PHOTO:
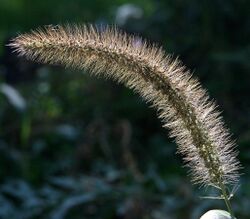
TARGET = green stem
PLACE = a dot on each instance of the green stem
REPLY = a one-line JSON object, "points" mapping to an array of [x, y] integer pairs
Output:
{"points": [[226, 199]]}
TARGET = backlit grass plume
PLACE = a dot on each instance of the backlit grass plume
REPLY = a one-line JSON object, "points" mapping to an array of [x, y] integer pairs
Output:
{"points": [[182, 104]]}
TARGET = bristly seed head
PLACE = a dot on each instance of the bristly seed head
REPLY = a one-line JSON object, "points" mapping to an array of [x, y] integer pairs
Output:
{"points": [[183, 105]]}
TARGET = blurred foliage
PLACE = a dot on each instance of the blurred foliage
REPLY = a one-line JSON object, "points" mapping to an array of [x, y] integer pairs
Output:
{"points": [[73, 146]]}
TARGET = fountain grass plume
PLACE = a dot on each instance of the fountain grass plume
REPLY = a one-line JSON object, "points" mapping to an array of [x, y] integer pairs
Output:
{"points": [[182, 104]]}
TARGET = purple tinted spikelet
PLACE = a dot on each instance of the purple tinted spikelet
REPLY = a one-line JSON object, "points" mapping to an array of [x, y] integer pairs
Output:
{"points": [[182, 104]]}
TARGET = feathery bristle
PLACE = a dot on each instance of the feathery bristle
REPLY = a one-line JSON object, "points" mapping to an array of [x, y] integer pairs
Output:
{"points": [[183, 105]]}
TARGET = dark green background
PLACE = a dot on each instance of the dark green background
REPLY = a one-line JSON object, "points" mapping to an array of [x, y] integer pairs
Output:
{"points": [[87, 148]]}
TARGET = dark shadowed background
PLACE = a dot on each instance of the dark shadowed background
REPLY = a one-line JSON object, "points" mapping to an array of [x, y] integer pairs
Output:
{"points": [[73, 146]]}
